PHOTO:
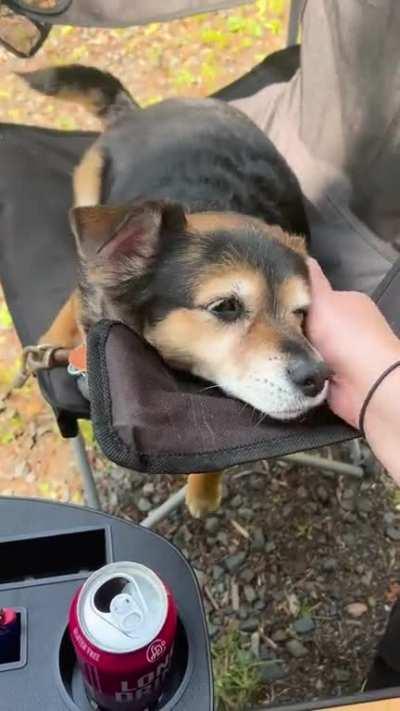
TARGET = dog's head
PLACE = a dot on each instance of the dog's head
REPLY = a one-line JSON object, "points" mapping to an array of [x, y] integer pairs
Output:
{"points": [[221, 295]]}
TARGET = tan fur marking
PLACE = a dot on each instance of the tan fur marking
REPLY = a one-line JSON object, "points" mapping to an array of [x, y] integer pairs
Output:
{"points": [[295, 242], [228, 279], [203, 494], [178, 328], [87, 178], [65, 331], [212, 221], [92, 99], [260, 336], [294, 293]]}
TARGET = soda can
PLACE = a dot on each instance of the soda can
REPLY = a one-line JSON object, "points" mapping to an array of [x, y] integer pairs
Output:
{"points": [[9, 636], [122, 624]]}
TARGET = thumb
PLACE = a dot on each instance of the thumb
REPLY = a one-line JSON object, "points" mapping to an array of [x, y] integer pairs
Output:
{"points": [[319, 282]]}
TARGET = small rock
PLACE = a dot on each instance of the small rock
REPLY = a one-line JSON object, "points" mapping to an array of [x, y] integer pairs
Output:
{"points": [[347, 504], [247, 575], [246, 513], [250, 594], [243, 613], [260, 605], [364, 505], [237, 501], [393, 532], [144, 505], [217, 572], [258, 540], [304, 625], [201, 577], [233, 562], [367, 578], [257, 483], [157, 500], [302, 492], [287, 510], [296, 648], [342, 675], [148, 488], [388, 518], [322, 494], [349, 538], [212, 629], [328, 565], [255, 645], [279, 636], [269, 547], [356, 609], [211, 524], [274, 671], [266, 653], [250, 625], [222, 538]]}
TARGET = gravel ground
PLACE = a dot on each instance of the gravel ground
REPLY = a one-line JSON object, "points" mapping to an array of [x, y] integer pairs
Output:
{"points": [[304, 565]]}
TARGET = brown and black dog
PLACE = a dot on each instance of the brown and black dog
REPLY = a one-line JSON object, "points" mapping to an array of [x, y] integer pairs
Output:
{"points": [[191, 230]]}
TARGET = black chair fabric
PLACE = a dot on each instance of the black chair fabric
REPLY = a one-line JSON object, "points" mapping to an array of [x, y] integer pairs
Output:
{"points": [[37, 252]]}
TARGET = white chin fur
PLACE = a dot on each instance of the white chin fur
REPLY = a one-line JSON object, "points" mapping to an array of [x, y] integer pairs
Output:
{"points": [[277, 398]]}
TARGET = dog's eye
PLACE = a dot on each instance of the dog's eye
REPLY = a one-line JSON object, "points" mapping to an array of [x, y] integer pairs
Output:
{"points": [[229, 309]]}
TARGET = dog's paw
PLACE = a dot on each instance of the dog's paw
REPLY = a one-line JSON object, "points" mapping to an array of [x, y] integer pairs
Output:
{"points": [[204, 494]]}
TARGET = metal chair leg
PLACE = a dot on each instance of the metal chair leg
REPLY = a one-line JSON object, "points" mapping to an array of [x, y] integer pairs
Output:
{"points": [[162, 511], [82, 460], [312, 460]]}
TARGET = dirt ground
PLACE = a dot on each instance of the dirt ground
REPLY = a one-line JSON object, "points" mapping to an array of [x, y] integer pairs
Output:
{"points": [[299, 569]]}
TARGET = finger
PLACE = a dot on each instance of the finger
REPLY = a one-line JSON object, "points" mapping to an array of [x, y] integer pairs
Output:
{"points": [[319, 282]]}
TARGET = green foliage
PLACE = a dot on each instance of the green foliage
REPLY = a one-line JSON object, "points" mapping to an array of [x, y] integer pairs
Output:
{"points": [[184, 77], [86, 429], [307, 608], [304, 530], [214, 38], [275, 26], [65, 123], [5, 317], [10, 428], [238, 683]]}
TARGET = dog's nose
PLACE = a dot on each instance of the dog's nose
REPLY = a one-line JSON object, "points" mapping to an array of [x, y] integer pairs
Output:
{"points": [[308, 375]]}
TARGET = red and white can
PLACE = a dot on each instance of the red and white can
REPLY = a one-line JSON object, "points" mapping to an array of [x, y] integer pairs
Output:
{"points": [[122, 624]]}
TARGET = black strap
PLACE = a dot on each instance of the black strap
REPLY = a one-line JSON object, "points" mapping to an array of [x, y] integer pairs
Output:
{"points": [[371, 392]]}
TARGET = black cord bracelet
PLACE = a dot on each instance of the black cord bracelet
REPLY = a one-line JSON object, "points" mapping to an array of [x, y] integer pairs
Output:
{"points": [[370, 394]]}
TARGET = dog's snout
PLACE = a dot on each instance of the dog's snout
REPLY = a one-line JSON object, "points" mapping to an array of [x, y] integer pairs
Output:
{"points": [[308, 375]]}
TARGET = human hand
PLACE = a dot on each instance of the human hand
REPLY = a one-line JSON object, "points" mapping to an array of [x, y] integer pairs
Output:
{"points": [[354, 339]]}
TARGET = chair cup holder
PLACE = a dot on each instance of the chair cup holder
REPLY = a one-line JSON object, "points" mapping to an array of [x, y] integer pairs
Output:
{"points": [[73, 688]]}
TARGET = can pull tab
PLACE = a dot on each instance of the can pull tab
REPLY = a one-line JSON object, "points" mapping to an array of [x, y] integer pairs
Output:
{"points": [[126, 613]]}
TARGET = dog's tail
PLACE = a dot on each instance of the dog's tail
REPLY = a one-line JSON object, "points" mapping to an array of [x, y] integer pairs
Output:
{"points": [[99, 92]]}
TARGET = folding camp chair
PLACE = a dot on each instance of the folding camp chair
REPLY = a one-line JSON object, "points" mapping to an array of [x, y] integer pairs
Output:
{"points": [[36, 240]]}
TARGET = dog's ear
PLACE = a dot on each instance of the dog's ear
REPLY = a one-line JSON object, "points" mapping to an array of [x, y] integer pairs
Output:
{"points": [[133, 230]]}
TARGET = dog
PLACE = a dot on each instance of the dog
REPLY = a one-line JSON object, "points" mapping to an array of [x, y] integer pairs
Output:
{"points": [[190, 229]]}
